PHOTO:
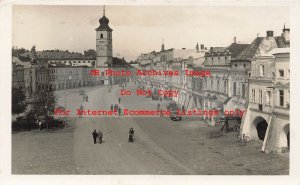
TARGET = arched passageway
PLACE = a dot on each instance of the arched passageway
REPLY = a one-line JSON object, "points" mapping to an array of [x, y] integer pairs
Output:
{"points": [[259, 128]]}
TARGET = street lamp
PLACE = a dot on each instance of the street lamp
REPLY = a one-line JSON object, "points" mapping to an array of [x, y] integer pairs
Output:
{"points": [[70, 77]]}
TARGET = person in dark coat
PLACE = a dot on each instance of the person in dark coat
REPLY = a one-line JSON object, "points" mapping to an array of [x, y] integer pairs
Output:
{"points": [[95, 135]]}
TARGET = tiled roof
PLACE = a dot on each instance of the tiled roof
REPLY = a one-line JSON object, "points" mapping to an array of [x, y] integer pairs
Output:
{"points": [[249, 52], [120, 63], [261, 46], [52, 54], [236, 49]]}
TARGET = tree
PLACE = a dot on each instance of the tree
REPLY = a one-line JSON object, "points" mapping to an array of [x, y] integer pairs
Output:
{"points": [[44, 103], [18, 101]]}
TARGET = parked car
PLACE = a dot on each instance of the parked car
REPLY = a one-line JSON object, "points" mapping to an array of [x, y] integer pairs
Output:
{"points": [[174, 115]]}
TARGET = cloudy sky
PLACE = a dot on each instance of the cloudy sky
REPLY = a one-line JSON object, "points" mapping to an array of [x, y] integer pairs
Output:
{"points": [[140, 29]]}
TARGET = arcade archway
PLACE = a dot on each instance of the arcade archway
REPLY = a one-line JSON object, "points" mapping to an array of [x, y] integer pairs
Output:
{"points": [[284, 141], [259, 128]]}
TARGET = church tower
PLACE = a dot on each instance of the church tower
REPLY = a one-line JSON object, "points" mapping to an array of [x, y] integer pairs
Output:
{"points": [[104, 43]]}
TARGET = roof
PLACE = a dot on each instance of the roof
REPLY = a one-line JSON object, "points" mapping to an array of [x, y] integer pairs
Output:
{"points": [[120, 63], [261, 46], [103, 24], [17, 61], [186, 53], [217, 49], [56, 54], [236, 49], [249, 52], [58, 65]]}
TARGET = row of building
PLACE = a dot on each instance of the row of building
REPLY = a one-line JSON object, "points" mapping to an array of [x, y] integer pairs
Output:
{"points": [[247, 77], [58, 70]]}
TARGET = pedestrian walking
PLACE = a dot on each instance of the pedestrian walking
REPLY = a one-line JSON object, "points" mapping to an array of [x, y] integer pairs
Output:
{"points": [[95, 135], [111, 107], [158, 106], [161, 113], [119, 100], [81, 110], [120, 111], [100, 136]]}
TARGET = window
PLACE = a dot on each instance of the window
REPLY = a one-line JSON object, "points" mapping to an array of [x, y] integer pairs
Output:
{"points": [[243, 90], [234, 88], [244, 65], [281, 97], [260, 96], [261, 70], [281, 73], [101, 36], [268, 96], [253, 95], [235, 65]]}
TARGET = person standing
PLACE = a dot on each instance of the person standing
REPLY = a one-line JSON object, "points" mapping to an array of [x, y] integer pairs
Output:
{"points": [[120, 111], [158, 106], [119, 100], [112, 107], [40, 124], [95, 135], [100, 136]]}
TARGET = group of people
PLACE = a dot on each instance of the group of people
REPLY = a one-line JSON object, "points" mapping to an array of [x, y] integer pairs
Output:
{"points": [[96, 135], [99, 135], [116, 108]]}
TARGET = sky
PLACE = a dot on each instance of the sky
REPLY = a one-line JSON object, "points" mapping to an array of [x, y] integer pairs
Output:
{"points": [[141, 29]]}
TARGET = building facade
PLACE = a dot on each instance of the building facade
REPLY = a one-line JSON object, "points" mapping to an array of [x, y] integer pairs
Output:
{"points": [[268, 110]]}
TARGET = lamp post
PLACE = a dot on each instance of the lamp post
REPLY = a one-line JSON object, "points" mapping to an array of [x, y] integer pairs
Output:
{"points": [[66, 99]]}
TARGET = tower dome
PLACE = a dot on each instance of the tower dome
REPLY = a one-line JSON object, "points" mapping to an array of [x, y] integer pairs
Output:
{"points": [[104, 23], [103, 20]]}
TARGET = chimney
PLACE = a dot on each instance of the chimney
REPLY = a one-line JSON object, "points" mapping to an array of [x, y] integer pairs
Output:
{"points": [[286, 34], [202, 46], [197, 48], [162, 46], [270, 33]]}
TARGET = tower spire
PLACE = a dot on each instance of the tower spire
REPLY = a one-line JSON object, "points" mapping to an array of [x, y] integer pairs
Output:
{"points": [[103, 10]]}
